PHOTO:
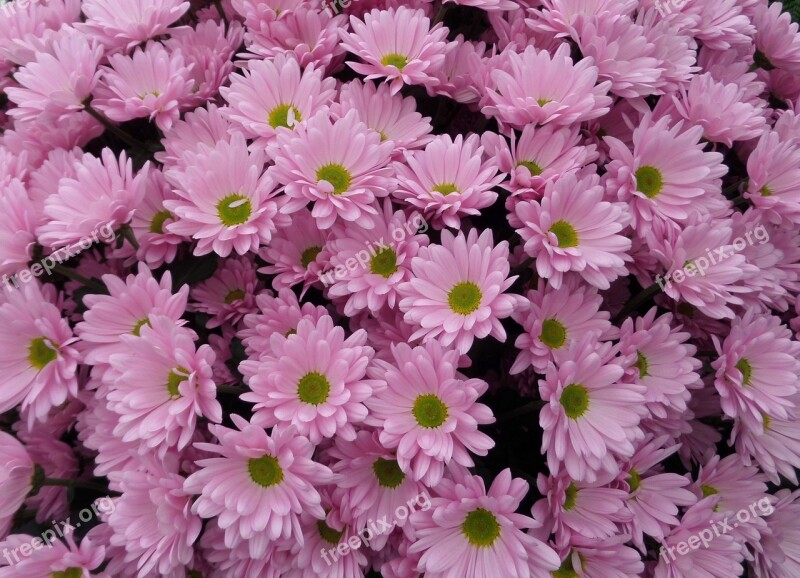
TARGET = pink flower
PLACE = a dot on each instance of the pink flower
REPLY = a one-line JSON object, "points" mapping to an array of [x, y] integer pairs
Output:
{"points": [[428, 411], [457, 292], [121, 25], [773, 170], [602, 559], [461, 77], [399, 45], [60, 558], [201, 127], [17, 230], [229, 294], [57, 460], [777, 39], [15, 479]]}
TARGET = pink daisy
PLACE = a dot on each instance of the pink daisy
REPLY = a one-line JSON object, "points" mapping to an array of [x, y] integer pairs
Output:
{"points": [[448, 180], [259, 485], [17, 230], [428, 411], [317, 556], [15, 480], [559, 92], [340, 166], [458, 290], [226, 201], [229, 294], [39, 361], [103, 193], [200, 127], [121, 25], [574, 229], [609, 558], [237, 562], [777, 40], [779, 557], [475, 533], [773, 170], [61, 559], [462, 74], [397, 44], [313, 379]]}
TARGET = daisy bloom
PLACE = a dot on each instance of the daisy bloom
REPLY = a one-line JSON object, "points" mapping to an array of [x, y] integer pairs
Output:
{"points": [[574, 229], [457, 292], [229, 294], [588, 558], [428, 411], [18, 229], [15, 480], [103, 193], [200, 127], [471, 532], [226, 201], [259, 485], [121, 25], [559, 92], [591, 419], [779, 557], [397, 44], [777, 40], [39, 361], [313, 379], [448, 180], [461, 77], [340, 166], [773, 170], [317, 556], [160, 384]]}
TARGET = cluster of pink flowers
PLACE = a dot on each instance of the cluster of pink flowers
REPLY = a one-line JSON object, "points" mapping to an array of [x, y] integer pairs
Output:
{"points": [[489, 252]]}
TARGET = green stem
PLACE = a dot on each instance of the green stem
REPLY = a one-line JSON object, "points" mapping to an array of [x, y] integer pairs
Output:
{"points": [[121, 134], [440, 15], [230, 389], [636, 302], [75, 484], [127, 234], [221, 10], [75, 276]]}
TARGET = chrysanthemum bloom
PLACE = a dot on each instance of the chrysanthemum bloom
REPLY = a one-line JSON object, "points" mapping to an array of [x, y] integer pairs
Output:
{"points": [[569, 509], [25, 25], [274, 93], [394, 116], [553, 318], [103, 193], [561, 16], [655, 495], [58, 81], [313, 379], [719, 558], [152, 83], [297, 254], [758, 369], [229, 294], [318, 555], [721, 110], [160, 385], [39, 361], [589, 558], [667, 175], [774, 170], [227, 204], [340, 166], [776, 38], [279, 314], [57, 460], [383, 255], [397, 44], [736, 485], [259, 485], [540, 155], [591, 419], [658, 357], [17, 230], [125, 310], [472, 532], [61, 559], [574, 229], [428, 411], [458, 290], [15, 479], [778, 556], [152, 520], [536, 87], [200, 127], [237, 562], [121, 25], [448, 180], [372, 484]]}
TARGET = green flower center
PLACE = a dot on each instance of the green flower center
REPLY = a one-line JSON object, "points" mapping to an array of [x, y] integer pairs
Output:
{"points": [[464, 298], [565, 233], [158, 220], [747, 371], [649, 181], [313, 388], [575, 400], [384, 263], [429, 411], [235, 295], [328, 534], [481, 528], [336, 175], [767, 420], [570, 497], [554, 334], [280, 116], [174, 381], [642, 365], [265, 471], [68, 573], [765, 191], [399, 61], [40, 353], [234, 209], [532, 167], [139, 324], [446, 188], [388, 473], [708, 491], [565, 570], [309, 256], [543, 101], [634, 480]]}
